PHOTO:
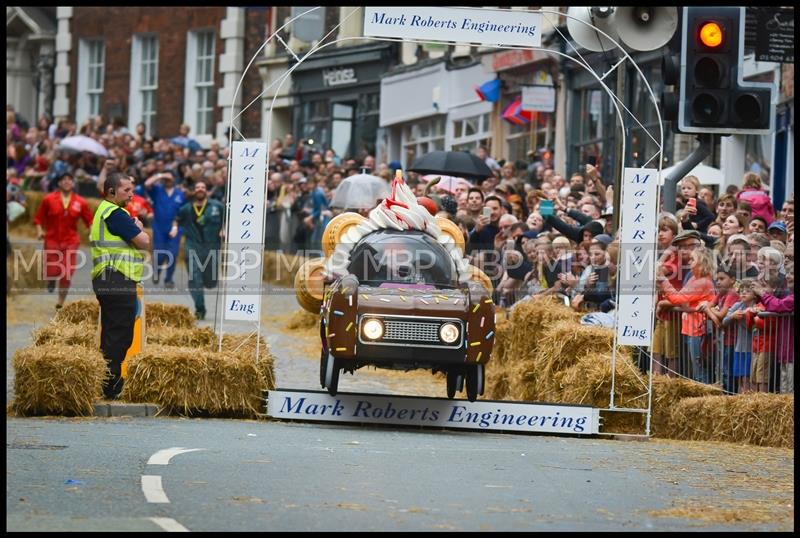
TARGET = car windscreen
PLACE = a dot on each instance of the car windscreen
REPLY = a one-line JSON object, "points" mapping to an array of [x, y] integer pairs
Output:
{"points": [[402, 257]]}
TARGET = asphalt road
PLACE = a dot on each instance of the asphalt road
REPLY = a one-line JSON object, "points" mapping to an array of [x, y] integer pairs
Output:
{"points": [[97, 474]]}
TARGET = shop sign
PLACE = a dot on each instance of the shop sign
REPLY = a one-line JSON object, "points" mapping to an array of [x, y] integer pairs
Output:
{"points": [[459, 25], [339, 76]]}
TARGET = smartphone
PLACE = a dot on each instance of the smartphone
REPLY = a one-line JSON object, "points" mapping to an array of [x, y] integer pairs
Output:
{"points": [[691, 202], [602, 275], [486, 212], [565, 265], [592, 159], [546, 208]]}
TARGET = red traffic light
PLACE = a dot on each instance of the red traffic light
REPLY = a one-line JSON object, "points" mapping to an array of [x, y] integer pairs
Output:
{"points": [[711, 34]]}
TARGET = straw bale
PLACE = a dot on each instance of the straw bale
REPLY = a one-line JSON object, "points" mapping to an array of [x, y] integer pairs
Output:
{"points": [[24, 270], [762, 419], [302, 319], [58, 379], [244, 346], [280, 268], [186, 381], [497, 384], [84, 310], [564, 343], [529, 318], [67, 334], [667, 392], [198, 337], [168, 315]]}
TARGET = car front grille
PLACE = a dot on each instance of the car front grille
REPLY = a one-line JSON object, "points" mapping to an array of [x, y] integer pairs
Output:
{"points": [[411, 331]]}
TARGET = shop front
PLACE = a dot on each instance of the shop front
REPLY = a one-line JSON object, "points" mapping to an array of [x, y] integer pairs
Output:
{"points": [[337, 98]]}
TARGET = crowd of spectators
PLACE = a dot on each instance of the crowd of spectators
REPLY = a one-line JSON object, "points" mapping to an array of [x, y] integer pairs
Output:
{"points": [[722, 258]]}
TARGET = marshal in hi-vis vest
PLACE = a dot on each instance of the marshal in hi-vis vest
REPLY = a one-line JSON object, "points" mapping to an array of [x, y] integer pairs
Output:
{"points": [[109, 250]]}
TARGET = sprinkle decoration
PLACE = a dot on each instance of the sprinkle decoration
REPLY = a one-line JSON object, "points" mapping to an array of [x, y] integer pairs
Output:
{"points": [[488, 336], [348, 326], [338, 312], [341, 349], [473, 344], [424, 301], [402, 298], [478, 358], [365, 296], [477, 306], [482, 320], [385, 300]]}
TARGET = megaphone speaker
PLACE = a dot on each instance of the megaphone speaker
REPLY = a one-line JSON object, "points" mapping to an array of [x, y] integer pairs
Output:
{"points": [[582, 24], [646, 28]]}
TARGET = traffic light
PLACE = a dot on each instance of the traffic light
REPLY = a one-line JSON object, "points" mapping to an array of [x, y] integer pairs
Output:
{"points": [[713, 95]]}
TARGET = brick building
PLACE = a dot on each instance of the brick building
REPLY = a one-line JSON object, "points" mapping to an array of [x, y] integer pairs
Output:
{"points": [[162, 66]]}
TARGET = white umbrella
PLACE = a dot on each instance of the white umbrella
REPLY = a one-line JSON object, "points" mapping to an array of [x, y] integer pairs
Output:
{"points": [[708, 175], [84, 143], [361, 191]]}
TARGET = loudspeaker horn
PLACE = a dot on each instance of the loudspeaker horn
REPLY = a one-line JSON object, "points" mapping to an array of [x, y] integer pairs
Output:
{"points": [[580, 21], [646, 28]]}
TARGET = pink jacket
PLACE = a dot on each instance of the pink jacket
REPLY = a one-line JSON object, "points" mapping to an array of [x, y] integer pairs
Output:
{"points": [[759, 201]]}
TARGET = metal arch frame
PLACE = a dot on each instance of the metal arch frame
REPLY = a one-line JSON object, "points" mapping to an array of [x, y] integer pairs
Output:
{"points": [[616, 101]]}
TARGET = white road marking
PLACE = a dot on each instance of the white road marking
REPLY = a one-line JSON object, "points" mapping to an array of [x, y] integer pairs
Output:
{"points": [[168, 524], [153, 492], [162, 457]]}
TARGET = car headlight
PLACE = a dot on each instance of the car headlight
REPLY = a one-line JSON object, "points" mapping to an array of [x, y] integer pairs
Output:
{"points": [[373, 329], [449, 332]]}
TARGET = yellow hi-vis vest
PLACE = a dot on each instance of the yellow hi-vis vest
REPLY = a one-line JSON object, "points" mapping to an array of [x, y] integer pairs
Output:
{"points": [[109, 250]]}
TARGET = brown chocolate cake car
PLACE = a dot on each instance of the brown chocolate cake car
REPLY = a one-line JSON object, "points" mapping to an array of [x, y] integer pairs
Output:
{"points": [[398, 294]]}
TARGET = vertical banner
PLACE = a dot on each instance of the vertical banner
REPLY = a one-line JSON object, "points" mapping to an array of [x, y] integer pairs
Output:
{"points": [[245, 233], [138, 330], [637, 256]]}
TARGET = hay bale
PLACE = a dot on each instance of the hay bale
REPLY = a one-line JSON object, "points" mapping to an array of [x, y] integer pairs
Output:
{"points": [[85, 310], [24, 269], [302, 319], [280, 268], [761, 419], [67, 334], [58, 380], [198, 337], [186, 381], [497, 384], [244, 346], [168, 315], [563, 344], [667, 392]]}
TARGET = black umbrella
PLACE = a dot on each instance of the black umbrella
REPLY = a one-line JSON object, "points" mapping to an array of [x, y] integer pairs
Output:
{"points": [[452, 163]]}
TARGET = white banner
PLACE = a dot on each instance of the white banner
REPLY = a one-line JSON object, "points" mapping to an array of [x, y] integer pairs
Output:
{"points": [[637, 256], [463, 25], [245, 232], [436, 412], [539, 98]]}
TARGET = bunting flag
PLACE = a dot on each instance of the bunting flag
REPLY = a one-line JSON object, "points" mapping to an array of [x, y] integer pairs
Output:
{"points": [[489, 91], [514, 113]]}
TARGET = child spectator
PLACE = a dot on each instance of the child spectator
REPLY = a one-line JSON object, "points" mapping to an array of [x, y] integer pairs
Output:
{"points": [[753, 193], [785, 331], [666, 341], [698, 289], [716, 312], [764, 330], [696, 214], [734, 321], [594, 287]]}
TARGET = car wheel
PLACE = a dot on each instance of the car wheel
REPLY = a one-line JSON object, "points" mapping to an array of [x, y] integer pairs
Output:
{"points": [[472, 382], [454, 379], [332, 375]]}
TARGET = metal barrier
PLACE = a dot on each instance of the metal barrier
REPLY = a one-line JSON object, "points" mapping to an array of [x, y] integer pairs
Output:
{"points": [[745, 353]]}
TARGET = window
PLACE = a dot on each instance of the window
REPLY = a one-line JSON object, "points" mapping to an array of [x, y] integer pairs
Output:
{"points": [[471, 132], [422, 137], [144, 82], [204, 82], [316, 122], [91, 75], [200, 95]]}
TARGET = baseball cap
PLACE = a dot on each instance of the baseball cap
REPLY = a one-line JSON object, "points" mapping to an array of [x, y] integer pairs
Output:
{"points": [[530, 234], [603, 238], [738, 237], [686, 234], [302, 180], [777, 225]]}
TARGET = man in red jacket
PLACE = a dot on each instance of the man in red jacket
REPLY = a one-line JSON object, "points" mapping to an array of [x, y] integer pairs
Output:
{"points": [[57, 223]]}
